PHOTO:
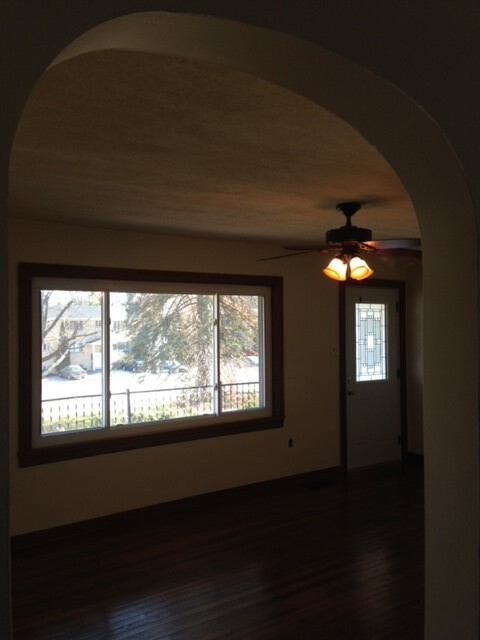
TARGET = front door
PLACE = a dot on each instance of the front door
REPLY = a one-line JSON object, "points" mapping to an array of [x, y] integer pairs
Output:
{"points": [[372, 372]]}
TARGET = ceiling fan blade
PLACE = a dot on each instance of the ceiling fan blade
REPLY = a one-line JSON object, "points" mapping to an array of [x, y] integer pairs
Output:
{"points": [[412, 244], [287, 255], [412, 253], [320, 248], [393, 246]]}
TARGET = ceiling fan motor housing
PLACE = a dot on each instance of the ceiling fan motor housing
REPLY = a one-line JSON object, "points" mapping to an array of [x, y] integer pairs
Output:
{"points": [[348, 233]]}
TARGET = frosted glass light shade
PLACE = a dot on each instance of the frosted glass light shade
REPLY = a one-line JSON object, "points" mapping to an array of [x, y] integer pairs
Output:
{"points": [[336, 269], [359, 269]]}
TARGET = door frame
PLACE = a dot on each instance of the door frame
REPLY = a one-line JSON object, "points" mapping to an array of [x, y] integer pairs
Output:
{"points": [[402, 359]]}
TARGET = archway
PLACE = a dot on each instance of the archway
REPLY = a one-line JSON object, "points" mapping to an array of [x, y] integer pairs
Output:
{"points": [[426, 164]]}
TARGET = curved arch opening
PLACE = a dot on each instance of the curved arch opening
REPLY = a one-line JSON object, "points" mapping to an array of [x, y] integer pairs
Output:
{"points": [[431, 174]]}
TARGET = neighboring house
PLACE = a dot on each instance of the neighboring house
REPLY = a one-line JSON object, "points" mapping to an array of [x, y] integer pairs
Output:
{"points": [[80, 329]]}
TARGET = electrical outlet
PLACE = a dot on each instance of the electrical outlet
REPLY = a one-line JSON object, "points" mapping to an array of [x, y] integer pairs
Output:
{"points": [[290, 443]]}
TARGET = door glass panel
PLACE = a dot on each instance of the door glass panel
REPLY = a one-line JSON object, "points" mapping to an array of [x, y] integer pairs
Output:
{"points": [[371, 341]]}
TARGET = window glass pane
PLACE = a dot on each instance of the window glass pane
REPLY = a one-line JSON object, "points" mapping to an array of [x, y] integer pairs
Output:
{"points": [[241, 364], [371, 341], [161, 356], [71, 360]]}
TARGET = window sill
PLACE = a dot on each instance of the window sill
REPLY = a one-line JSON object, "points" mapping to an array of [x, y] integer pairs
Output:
{"points": [[28, 457]]}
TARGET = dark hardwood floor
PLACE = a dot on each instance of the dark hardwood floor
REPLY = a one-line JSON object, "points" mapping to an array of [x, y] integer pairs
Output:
{"points": [[303, 559]]}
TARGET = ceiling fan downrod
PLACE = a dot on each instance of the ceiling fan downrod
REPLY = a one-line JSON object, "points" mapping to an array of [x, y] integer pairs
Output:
{"points": [[348, 233], [348, 209]]}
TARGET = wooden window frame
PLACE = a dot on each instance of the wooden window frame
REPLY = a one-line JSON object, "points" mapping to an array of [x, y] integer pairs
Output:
{"points": [[29, 454]]}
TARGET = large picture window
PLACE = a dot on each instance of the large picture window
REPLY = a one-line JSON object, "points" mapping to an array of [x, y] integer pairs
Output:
{"points": [[118, 359]]}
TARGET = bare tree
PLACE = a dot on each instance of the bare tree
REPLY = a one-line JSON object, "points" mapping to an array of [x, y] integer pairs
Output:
{"points": [[180, 327], [58, 332]]}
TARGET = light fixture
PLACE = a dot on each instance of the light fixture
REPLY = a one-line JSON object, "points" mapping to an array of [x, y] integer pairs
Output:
{"points": [[343, 267], [336, 269], [359, 269]]}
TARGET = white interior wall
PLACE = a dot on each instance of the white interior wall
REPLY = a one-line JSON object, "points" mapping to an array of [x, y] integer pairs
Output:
{"points": [[49, 495]]}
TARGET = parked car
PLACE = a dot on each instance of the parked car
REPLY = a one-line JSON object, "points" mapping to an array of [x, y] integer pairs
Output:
{"points": [[172, 366], [128, 364], [133, 365], [72, 372]]}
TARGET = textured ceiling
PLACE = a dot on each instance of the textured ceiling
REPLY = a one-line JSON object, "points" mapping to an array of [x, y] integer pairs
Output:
{"points": [[155, 143]]}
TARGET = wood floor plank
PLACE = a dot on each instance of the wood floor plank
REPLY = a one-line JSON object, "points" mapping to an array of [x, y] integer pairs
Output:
{"points": [[339, 560]]}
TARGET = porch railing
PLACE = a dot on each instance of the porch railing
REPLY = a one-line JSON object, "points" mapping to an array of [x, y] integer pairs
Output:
{"points": [[78, 413]]}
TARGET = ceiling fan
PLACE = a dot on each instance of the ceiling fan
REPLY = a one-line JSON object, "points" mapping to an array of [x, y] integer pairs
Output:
{"points": [[349, 242]]}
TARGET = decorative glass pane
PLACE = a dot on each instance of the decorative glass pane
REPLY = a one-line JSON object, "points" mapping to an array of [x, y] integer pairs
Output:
{"points": [[371, 341]]}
